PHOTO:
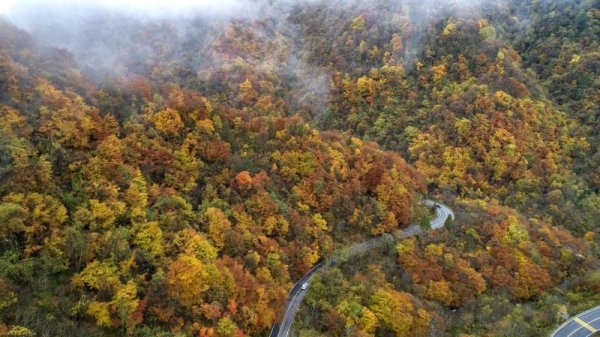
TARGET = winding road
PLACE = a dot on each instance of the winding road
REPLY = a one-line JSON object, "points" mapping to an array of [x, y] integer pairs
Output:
{"points": [[584, 324], [297, 293]]}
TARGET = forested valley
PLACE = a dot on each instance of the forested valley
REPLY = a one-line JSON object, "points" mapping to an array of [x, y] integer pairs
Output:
{"points": [[174, 176]]}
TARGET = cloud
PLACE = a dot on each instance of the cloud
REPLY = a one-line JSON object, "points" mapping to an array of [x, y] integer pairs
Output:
{"points": [[6, 6], [98, 32], [152, 8]]}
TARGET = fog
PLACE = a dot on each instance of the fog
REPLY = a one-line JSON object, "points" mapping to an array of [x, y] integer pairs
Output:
{"points": [[20, 9], [123, 37], [97, 31]]}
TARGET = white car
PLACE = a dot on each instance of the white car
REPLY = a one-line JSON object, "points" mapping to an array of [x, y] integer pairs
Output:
{"points": [[304, 286]]}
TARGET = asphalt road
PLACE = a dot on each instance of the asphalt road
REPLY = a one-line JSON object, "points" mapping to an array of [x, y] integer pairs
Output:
{"points": [[585, 324], [297, 293]]}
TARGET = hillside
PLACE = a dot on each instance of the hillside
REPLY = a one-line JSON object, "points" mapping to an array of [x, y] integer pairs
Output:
{"points": [[174, 176]]}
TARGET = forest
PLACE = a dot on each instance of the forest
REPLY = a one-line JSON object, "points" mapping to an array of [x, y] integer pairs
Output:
{"points": [[175, 176]]}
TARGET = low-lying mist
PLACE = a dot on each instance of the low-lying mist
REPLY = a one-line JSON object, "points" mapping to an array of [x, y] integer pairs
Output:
{"points": [[152, 38], [97, 32]]}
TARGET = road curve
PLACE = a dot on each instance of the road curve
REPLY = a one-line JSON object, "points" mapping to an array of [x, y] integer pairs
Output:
{"points": [[297, 293], [584, 324]]}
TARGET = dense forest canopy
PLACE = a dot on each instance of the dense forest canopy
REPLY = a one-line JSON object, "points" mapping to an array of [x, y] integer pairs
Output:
{"points": [[173, 170]]}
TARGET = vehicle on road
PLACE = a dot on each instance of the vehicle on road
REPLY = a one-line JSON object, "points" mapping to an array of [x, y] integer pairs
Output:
{"points": [[296, 295]]}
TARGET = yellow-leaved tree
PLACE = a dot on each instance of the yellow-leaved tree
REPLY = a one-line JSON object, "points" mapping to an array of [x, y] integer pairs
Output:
{"points": [[187, 280]]}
